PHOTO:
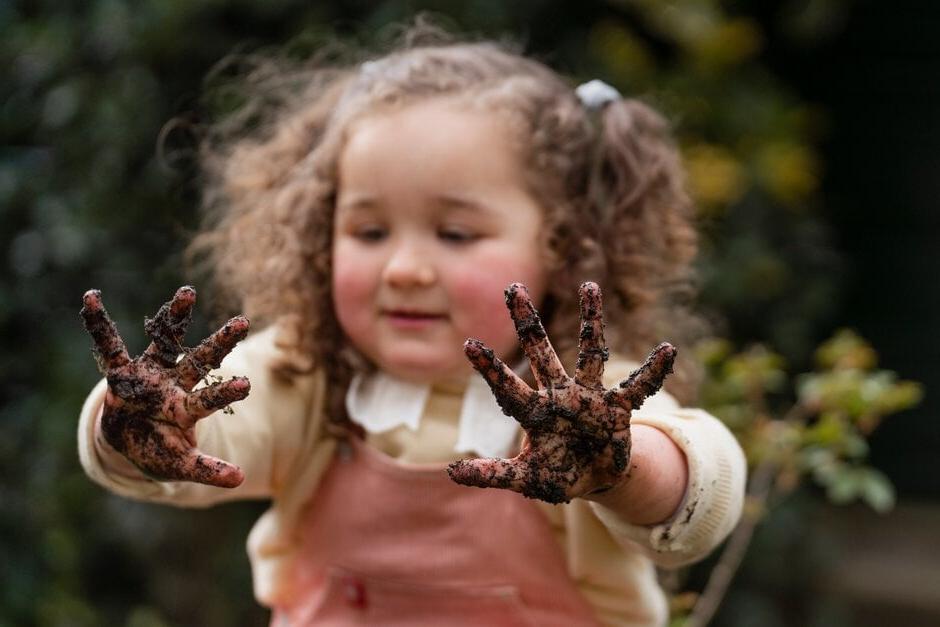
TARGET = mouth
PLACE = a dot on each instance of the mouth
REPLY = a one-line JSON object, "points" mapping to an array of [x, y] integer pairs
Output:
{"points": [[408, 314], [409, 319]]}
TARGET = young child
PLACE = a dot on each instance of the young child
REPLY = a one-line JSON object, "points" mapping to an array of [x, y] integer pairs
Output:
{"points": [[369, 229]]}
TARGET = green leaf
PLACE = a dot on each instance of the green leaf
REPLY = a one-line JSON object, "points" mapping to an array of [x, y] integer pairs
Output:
{"points": [[877, 490], [844, 486], [830, 431], [855, 446], [846, 350]]}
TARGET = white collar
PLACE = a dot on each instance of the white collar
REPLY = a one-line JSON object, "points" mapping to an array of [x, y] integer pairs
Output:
{"points": [[380, 402]]}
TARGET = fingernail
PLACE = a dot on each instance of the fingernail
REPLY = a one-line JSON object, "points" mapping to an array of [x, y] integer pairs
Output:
{"points": [[472, 344], [91, 297], [239, 325], [186, 293]]}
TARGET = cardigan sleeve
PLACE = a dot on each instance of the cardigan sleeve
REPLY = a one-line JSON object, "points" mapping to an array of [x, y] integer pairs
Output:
{"points": [[268, 434], [714, 495]]}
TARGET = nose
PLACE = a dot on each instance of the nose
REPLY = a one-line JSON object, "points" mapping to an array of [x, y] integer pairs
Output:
{"points": [[408, 266]]}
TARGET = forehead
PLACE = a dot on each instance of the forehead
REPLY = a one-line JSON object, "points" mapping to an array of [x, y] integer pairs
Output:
{"points": [[432, 142]]}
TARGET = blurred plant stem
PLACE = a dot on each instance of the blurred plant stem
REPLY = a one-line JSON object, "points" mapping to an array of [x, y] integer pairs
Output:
{"points": [[760, 491], [760, 486]]}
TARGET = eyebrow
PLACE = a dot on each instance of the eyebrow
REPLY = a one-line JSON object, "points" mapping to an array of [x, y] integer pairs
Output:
{"points": [[447, 201], [461, 201], [358, 202]]}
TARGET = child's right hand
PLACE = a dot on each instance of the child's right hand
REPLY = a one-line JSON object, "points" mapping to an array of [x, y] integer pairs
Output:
{"points": [[150, 408]]}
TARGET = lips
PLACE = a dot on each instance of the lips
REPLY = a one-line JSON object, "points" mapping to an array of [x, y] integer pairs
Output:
{"points": [[411, 320], [409, 314]]}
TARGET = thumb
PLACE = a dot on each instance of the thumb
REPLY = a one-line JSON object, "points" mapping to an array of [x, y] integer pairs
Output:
{"points": [[489, 473], [206, 469]]}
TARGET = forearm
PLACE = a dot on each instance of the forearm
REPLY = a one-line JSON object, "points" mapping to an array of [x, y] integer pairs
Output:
{"points": [[655, 484], [712, 502]]}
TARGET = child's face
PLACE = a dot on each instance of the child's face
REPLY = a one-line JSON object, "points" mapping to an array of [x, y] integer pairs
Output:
{"points": [[433, 222]]}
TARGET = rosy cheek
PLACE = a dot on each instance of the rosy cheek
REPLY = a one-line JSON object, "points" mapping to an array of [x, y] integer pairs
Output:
{"points": [[351, 298], [482, 295]]}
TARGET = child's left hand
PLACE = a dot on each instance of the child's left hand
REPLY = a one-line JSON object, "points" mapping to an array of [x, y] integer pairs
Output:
{"points": [[577, 433]]}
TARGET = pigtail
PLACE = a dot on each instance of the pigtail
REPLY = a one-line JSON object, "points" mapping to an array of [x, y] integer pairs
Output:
{"points": [[646, 214], [267, 211]]}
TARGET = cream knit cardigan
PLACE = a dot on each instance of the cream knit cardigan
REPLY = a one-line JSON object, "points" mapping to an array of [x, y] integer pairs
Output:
{"points": [[276, 437]]}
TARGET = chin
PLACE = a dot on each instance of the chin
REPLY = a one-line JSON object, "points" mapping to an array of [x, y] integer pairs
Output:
{"points": [[427, 371]]}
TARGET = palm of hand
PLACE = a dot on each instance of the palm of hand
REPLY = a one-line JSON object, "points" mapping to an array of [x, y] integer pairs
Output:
{"points": [[577, 434], [150, 408]]}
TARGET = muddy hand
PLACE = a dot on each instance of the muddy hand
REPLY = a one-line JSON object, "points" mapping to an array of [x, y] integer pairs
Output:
{"points": [[150, 408], [577, 433]]}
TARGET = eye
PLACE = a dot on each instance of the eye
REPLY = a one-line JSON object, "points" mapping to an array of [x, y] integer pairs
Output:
{"points": [[370, 233], [457, 235]]}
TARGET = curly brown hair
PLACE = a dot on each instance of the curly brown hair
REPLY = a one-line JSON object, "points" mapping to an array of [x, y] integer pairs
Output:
{"points": [[610, 182]]}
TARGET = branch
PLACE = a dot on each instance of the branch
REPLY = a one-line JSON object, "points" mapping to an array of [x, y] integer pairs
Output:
{"points": [[758, 493]]}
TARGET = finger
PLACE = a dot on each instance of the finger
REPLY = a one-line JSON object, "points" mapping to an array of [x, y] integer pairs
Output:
{"points": [[168, 327], [513, 395], [211, 351], [490, 473], [592, 350], [547, 368], [109, 347], [156, 448], [647, 379], [201, 468], [205, 401]]}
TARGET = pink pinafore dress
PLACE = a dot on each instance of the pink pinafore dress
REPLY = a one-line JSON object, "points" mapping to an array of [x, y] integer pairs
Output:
{"points": [[386, 543]]}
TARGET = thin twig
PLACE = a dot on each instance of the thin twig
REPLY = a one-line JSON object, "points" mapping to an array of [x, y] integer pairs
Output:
{"points": [[758, 493]]}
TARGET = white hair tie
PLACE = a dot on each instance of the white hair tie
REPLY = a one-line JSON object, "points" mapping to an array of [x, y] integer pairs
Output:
{"points": [[595, 94]]}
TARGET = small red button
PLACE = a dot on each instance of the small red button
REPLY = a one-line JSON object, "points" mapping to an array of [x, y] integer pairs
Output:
{"points": [[355, 592]]}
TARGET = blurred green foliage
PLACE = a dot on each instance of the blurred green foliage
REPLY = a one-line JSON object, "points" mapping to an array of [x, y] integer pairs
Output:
{"points": [[818, 430], [821, 433], [87, 201]]}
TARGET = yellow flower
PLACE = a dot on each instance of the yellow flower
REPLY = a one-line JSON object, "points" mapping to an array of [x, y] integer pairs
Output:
{"points": [[716, 177], [624, 54], [790, 172]]}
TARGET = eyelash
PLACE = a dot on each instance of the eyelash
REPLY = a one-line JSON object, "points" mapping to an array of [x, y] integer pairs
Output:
{"points": [[370, 233], [457, 236]]}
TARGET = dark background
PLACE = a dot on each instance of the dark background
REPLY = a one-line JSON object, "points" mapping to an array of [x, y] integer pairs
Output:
{"points": [[851, 88], [880, 81]]}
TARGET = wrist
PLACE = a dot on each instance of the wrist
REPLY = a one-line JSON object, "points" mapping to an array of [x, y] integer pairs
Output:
{"points": [[655, 483]]}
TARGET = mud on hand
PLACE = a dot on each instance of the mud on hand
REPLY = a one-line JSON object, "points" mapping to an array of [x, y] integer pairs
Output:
{"points": [[150, 408], [577, 433]]}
